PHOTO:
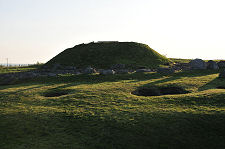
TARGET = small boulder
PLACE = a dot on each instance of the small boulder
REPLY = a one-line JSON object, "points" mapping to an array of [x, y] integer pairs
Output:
{"points": [[31, 75], [165, 70], [56, 67], [221, 64], [89, 70], [51, 74], [8, 80], [70, 68], [45, 70], [44, 67], [212, 65], [77, 72], [222, 74], [107, 72], [181, 66], [118, 66], [197, 64], [122, 71], [143, 70]]}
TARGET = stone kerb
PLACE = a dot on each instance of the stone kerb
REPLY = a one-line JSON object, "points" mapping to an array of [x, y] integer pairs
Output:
{"points": [[198, 64]]}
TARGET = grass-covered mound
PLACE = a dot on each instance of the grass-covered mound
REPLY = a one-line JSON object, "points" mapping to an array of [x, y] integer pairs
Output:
{"points": [[106, 54]]}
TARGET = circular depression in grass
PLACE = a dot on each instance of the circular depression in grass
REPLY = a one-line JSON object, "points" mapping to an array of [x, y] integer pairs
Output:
{"points": [[56, 92], [220, 87], [159, 90]]}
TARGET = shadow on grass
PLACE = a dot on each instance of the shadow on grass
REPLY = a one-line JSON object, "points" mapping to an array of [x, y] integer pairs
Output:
{"points": [[206, 100], [138, 130], [178, 75], [73, 80], [214, 84], [26, 86]]}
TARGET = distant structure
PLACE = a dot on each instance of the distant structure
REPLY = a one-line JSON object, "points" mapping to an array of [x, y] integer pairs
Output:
{"points": [[106, 41], [7, 59]]}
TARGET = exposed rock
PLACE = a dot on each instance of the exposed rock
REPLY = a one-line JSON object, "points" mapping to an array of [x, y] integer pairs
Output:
{"points": [[89, 70], [70, 68], [51, 74], [165, 70], [118, 66], [212, 65], [77, 73], [181, 66], [197, 64], [122, 71], [43, 75], [107, 72], [31, 75], [56, 67], [12, 78], [143, 70], [222, 74], [59, 72], [44, 67], [221, 64], [45, 70], [8, 81]]}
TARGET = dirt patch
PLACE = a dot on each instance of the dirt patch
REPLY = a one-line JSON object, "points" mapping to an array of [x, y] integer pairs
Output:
{"points": [[56, 93], [159, 90]]}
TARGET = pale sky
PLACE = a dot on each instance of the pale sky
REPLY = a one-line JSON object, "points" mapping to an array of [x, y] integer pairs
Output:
{"points": [[37, 30]]}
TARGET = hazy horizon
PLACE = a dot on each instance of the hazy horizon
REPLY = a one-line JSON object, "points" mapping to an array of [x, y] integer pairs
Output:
{"points": [[35, 31]]}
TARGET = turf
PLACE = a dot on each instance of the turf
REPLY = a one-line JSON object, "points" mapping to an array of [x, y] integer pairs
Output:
{"points": [[105, 55], [100, 112], [15, 69], [180, 60]]}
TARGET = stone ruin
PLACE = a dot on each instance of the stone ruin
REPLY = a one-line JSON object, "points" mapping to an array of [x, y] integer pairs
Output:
{"points": [[57, 69], [212, 65], [198, 64], [222, 74]]}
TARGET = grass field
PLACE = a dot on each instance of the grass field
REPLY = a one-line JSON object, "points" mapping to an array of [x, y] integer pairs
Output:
{"points": [[15, 69], [180, 60], [99, 112]]}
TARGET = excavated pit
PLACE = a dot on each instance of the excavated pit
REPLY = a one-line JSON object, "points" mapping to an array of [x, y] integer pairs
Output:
{"points": [[56, 93], [158, 91], [220, 87]]}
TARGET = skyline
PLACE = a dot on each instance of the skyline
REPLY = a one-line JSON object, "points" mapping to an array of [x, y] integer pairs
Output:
{"points": [[36, 31]]}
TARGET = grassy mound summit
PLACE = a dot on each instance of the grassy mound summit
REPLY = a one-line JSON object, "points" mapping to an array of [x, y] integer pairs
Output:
{"points": [[106, 54]]}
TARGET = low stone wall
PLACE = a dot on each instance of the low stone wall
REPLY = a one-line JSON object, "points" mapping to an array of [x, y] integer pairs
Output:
{"points": [[11, 78]]}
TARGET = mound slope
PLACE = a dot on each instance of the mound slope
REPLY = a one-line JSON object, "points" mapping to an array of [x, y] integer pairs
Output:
{"points": [[106, 54]]}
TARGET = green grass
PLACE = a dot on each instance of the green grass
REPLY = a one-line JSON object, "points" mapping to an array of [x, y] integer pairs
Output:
{"points": [[14, 69], [104, 55], [180, 60], [100, 112]]}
